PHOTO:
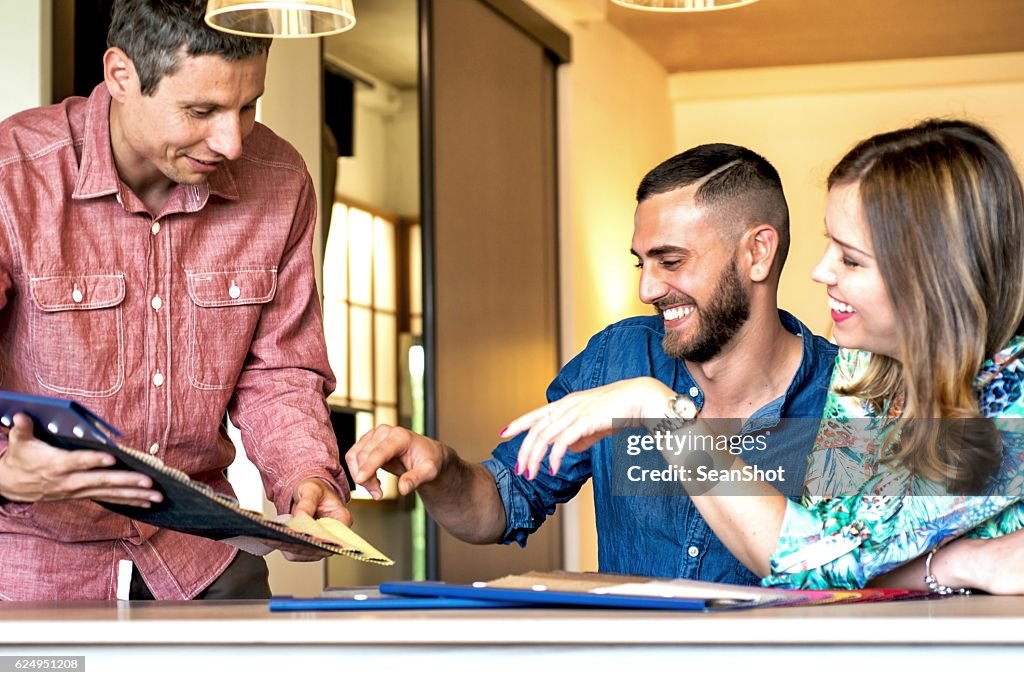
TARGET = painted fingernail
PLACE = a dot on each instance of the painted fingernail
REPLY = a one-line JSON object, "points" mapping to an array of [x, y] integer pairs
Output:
{"points": [[552, 470], [501, 433], [519, 469]]}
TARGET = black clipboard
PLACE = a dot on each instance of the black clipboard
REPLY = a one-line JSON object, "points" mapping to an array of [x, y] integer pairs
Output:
{"points": [[187, 506]]}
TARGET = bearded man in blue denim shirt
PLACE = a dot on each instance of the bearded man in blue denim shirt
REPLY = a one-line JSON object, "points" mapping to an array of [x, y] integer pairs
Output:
{"points": [[711, 237]]}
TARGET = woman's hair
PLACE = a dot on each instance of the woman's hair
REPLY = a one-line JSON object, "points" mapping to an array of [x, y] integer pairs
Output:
{"points": [[945, 209]]}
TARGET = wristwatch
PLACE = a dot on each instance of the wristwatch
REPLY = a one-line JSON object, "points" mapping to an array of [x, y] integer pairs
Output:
{"points": [[682, 407]]}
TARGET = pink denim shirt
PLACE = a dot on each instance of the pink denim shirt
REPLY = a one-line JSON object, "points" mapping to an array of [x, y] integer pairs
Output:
{"points": [[159, 324]]}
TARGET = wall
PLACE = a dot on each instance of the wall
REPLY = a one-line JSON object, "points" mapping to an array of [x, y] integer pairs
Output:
{"points": [[384, 172], [291, 106], [25, 54], [614, 126], [494, 240], [804, 118]]}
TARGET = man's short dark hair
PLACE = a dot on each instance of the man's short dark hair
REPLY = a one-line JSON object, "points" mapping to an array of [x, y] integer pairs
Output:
{"points": [[737, 184], [155, 34]]}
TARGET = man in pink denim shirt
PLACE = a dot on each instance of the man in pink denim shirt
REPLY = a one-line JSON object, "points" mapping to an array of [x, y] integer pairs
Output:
{"points": [[156, 266]]}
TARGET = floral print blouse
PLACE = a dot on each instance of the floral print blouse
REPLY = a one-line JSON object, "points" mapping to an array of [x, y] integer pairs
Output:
{"points": [[845, 541]]}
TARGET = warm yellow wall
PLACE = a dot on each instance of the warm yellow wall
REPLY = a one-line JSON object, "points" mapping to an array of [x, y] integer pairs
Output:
{"points": [[614, 125], [384, 171], [804, 118], [25, 39], [291, 106]]}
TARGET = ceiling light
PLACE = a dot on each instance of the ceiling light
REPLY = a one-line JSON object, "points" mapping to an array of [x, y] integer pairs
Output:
{"points": [[682, 5], [281, 18]]}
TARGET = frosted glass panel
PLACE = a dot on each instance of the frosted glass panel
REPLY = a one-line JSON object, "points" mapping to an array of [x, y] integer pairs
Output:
{"points": [[388, 415], [388, 482], [384, 264], [386, 344], [361, 318], [336, 254], [364, 423], [336, 334], [362, 354], [360, 256]]}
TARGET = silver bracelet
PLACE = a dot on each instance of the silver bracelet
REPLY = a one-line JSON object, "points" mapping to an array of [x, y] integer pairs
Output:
{"points": [[933, 583]]}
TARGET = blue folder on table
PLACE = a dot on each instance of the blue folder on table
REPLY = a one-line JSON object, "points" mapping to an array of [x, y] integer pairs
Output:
{"points": [[551, 589], [554, 598], [423, 595], [566, 589], [374, 600]]}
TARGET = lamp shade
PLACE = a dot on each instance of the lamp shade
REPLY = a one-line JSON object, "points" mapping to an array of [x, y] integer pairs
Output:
{"points": [[682, 5], [281, 18]]}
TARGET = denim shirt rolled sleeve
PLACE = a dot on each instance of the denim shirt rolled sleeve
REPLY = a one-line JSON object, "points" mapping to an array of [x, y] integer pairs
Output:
{"points": [[656, 535], [529, 502]]}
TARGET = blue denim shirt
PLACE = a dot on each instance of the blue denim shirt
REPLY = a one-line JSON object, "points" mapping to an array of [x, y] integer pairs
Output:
{"points": [[655, 535]]}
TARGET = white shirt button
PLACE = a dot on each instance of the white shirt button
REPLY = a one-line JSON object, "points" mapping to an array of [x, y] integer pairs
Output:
{"points": [[76, 295], [154, 448], [155, 228], [694, 391], [158, 379], [157, 302], [234, 291], [693, 551]]}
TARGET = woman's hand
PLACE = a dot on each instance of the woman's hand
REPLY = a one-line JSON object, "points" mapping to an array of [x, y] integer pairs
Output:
{"points": [[580, 419], [995, 565]]}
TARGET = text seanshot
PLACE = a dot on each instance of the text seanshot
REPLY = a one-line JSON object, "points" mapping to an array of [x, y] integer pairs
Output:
{"points": [[706, 474]]}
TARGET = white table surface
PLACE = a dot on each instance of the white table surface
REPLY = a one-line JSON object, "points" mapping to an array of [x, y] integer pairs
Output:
{"points": [[955, 638]]}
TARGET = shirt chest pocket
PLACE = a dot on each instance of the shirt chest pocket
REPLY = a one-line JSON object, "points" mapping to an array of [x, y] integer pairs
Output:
{"points": [[77, 329], [224, 309]]}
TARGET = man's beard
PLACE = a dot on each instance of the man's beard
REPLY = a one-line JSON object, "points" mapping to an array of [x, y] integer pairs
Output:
{"points": [[726, 311]]}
